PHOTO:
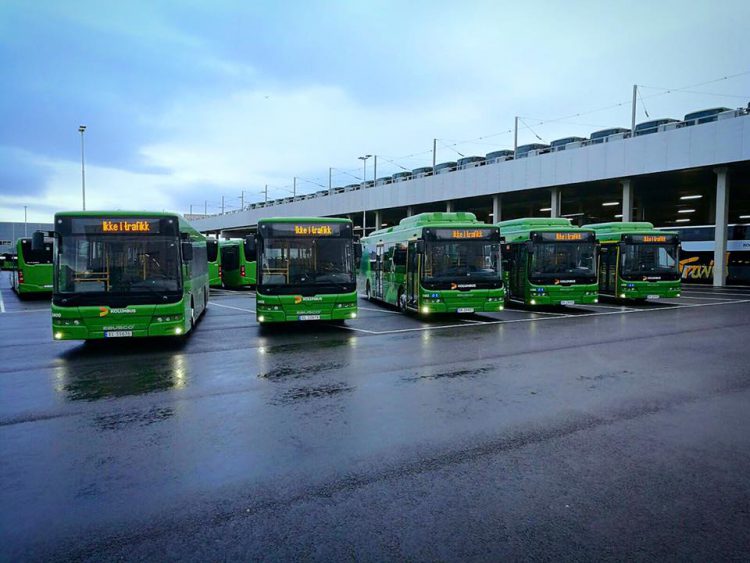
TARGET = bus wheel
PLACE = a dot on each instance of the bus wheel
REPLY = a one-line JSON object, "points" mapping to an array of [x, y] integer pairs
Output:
{"points": [[401, 300], [368, 291], [205, 301], [192, 314]]}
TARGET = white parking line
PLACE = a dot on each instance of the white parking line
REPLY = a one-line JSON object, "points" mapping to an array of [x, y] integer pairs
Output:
{"points": [[693, 292], [529, 320], [702, 298], [379, 310], [2, 303], [214, 304]]}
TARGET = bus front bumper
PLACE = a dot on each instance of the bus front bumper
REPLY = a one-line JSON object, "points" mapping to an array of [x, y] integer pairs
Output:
{"points": [[62, 331], [282, 316]]}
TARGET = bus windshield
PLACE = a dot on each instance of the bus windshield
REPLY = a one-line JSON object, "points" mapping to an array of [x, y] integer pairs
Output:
{"points": [[452, 260], [306, 262], [110, 264], [639, 260], [563, 259]]}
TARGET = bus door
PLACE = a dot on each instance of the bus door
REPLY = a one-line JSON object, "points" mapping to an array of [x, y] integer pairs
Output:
{"points": [[379, 270], [608, 268], [412, 275]]}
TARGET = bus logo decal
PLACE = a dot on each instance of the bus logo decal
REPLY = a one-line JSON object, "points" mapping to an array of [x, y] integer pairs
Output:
{"points": [[103, 311]]}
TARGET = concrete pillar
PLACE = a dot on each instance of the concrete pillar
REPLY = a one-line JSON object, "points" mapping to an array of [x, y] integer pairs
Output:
{"points": [[496, 209], [627, 200], [555, 202], [409, 211], [448, 206], [722, 218], [378, 219]]}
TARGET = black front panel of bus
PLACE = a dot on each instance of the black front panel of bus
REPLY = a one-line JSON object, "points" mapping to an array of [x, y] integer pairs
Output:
{"points": [[311, 229], [136, 226]]}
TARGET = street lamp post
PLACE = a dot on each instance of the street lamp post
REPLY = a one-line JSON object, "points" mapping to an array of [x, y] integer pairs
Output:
{"points": [[364, 182], [25, 222], [81, 130]]}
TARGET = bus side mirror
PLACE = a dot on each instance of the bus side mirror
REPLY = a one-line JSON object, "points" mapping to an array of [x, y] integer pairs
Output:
{"points": [[251, 248], [37, 240], [187, 251], [420, 246], [357, 252], [530, 247]]}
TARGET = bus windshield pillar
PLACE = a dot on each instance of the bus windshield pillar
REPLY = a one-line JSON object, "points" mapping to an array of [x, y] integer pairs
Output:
{"points": [[627, 200], [722, 218], [554, 202], [448, 206], [378, 219]]}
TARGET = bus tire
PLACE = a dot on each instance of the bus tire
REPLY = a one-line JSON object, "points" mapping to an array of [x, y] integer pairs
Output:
{"points": [[205, 301], [192, 314]]}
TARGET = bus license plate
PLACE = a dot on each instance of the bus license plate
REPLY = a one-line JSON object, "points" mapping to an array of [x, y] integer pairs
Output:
{"points": [[567, 302], [118, 333], [309, 317], [465, 309], [652, 297]]}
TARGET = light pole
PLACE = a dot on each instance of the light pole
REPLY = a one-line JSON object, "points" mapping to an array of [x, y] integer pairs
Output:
{"points": [[25, 222], [81, 130], [364, 182]]}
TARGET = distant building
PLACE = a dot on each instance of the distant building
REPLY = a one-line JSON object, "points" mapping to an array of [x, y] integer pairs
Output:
{"points": [[10, 232]]}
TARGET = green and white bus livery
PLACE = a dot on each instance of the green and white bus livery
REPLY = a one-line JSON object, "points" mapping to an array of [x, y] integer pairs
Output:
{"points": [[127, 274], [238, 266], [33, 271], [435, 263], [548, 261], [636, 261], [305, 270], [214, 262]]}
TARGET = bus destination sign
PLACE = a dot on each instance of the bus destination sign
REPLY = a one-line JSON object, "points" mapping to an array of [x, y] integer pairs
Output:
{"points": [[466, 234], [129, 226], [290, 229], [652, 239], [313, 230], [565, 236]]}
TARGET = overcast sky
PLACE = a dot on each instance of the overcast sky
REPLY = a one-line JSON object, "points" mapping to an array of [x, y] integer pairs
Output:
{"points": [[186, 101]]}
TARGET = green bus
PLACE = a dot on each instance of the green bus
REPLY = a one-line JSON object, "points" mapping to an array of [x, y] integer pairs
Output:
{"points": [[127, 274], [435, 263], [306, 270], [636, 261], [33, 272], [548, 261], [238, 265], [214, 262]]}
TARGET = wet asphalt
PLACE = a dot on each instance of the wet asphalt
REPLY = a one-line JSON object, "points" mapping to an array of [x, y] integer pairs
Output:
{"points": [[604, 432]]}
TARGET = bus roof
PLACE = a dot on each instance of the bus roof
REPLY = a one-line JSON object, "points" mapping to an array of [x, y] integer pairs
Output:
{"points": [[615, 230], [303, 220], [519, 229], [458, 219]]}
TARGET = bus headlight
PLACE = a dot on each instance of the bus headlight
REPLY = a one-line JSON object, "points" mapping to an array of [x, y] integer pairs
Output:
{"points": [[261, 318], [354, 315], [58, 335], [622, 296], [425, 310], [533, 302], [596, 300], [178, 330]]}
